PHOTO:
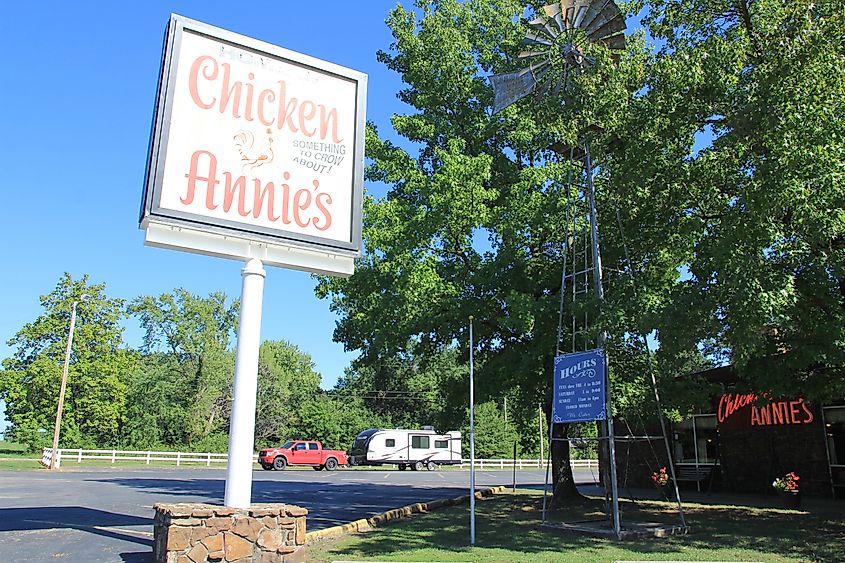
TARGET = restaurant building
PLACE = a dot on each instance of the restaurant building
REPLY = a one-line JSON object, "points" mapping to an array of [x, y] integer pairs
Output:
{"points": [[745, 442]]}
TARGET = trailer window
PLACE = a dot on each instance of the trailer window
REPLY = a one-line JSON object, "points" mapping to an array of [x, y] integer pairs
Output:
{"points": [[443, 444], [419, 442], [390, 443]]}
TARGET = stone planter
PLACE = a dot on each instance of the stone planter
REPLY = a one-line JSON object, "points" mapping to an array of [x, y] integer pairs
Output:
{"points": [[790, 499], [195, 533], [665, 491]]}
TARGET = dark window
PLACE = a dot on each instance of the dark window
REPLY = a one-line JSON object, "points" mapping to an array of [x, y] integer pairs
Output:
{"points": [[419, 442], [312, 446], [695, 440], [444, 444], [300, 446], [834, 420], [390, 443]]}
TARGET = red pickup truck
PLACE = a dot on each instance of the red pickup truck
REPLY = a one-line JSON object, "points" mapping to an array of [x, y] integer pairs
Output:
{"points": [[301, 452]]}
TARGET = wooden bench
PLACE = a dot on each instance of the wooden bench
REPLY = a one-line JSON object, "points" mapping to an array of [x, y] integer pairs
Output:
{"points": [[693, 474]]}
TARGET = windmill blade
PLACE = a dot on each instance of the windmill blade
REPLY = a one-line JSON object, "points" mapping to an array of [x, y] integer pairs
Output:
{"points": [[615, 42], [529, 54], [574, 11], [608, 14]]}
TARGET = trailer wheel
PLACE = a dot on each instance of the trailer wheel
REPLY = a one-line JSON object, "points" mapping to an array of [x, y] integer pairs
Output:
{"points": [[402, 467], [331, 464], [418, 466], [280, 463], [431, 466]]}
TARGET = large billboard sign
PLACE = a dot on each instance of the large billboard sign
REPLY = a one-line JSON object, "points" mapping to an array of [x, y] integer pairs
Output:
{"points": [[256, 152], [579, 387]]}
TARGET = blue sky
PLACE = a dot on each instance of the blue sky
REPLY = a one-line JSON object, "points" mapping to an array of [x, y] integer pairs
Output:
{"points": [[78, 94]]}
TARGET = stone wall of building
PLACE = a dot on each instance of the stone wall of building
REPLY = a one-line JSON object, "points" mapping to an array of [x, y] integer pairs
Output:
{"points": [[194, 533]]}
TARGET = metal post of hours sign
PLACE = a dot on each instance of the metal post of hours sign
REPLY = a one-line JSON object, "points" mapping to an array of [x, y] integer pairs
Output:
{"points": [[256, 154]]}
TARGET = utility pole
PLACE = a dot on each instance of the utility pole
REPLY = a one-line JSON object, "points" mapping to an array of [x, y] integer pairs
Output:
{"points": [[506, 412], [54, 453]]}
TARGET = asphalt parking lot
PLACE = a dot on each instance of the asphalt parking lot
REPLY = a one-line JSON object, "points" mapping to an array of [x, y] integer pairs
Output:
{"points": [[106, 514]]}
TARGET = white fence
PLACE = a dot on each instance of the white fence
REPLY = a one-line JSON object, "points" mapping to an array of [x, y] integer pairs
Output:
{"points": [[114, 456], [526, 463], [207, 459]]}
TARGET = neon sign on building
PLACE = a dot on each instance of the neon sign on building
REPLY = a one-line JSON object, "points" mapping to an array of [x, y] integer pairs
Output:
{"points": [[783, 412]]}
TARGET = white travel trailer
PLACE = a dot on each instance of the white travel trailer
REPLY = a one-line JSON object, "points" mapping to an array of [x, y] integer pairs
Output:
{"points": [[417, 449]]}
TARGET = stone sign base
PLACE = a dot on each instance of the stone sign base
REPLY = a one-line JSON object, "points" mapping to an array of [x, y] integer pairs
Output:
{"points": [[194, 533]]}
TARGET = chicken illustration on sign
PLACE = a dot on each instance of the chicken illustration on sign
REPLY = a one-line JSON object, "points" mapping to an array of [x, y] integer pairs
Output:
{"points": [[254, 156]]}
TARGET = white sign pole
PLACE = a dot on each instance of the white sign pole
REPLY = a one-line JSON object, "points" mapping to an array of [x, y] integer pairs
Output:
{"points": [[242, 423], [471, 442]]}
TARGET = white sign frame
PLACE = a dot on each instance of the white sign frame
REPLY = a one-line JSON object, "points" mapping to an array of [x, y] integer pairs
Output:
{"points": [[200, 233]]}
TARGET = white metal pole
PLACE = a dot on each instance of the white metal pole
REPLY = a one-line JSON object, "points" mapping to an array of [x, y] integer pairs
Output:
{"points": [[471, 441], [54, 454], [540, 422], [242, 423]]}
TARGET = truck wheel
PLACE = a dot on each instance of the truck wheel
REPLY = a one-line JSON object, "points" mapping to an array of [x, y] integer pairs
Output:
{"points": [[280, 463], [331, 464], [418, 466], [431, 466], [402, 467], [317, 467]]}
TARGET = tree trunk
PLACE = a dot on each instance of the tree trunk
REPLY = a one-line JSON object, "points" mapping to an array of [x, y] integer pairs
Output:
{"points": [[563, 483]]}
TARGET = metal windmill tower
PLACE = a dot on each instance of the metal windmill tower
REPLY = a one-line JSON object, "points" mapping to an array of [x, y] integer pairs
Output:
{"points": [[557, 41]]}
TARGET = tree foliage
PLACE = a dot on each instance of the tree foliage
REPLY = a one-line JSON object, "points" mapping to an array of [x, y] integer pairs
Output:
{"points": [[193, 337], [474, 221], [94, 407], [731, 160], [286, 383]]}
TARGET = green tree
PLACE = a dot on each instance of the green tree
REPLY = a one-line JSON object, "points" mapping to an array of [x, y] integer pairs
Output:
{"points": [[335, 420], [156, 404], [95, 399], [730, 163], [494, 439], [473, 222], [286, 383], [409, 390], [195, 334]]}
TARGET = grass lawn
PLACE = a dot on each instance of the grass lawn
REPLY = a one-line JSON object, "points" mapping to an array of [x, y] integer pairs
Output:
{"points": [[15, 457], [507, 530]]}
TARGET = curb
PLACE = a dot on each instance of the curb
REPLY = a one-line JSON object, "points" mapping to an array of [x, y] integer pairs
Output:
{"points": [[366, 524]]}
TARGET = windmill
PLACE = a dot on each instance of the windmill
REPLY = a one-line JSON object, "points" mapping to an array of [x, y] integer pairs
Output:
{"points": [[557, 45], [556, 42]]}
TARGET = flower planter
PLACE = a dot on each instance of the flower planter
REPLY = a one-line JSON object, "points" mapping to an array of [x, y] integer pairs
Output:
{"points": [[790, 499]]}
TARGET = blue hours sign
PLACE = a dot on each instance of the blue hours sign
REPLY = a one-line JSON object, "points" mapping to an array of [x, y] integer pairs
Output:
{"points": [[579, 387]]}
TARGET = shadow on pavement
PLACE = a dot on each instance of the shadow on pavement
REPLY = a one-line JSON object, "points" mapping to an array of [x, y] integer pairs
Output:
{"points": [[90, 520], [329, 503]]}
